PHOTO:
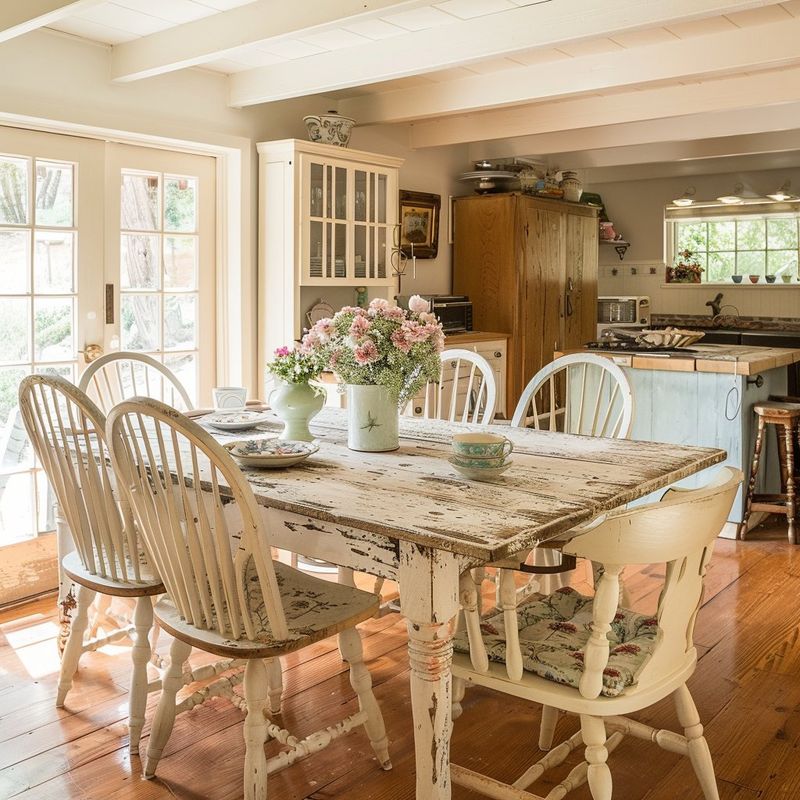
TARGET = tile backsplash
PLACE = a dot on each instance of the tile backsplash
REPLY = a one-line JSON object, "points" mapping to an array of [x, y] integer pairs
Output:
{"points": [[636, 278]]}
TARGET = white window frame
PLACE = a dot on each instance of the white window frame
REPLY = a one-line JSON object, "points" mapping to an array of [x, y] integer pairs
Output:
{"points": [[725, 213]]}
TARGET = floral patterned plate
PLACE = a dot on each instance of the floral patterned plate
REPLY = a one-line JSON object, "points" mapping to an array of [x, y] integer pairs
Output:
{"points": [[270, 453], [236, 420]]}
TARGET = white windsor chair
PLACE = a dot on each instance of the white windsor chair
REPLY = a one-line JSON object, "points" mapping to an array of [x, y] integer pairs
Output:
{"points": [[117, 376], [582, 394], [198, 517], [466, 391], [590, 658], [67, 432]]}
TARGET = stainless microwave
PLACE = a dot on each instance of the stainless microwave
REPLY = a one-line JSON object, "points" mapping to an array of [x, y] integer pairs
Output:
{"points": [[622, 311], [454, 311]]}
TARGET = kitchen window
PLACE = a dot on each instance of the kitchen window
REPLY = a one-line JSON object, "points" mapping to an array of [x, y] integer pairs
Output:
{"points": [[743, 243]]}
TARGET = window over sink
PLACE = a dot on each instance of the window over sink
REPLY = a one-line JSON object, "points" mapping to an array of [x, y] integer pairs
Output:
{"points": [[727, 244]]}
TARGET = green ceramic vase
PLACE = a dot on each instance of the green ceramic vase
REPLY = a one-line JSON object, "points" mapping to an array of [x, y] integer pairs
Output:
{"points": [[296, 404]]}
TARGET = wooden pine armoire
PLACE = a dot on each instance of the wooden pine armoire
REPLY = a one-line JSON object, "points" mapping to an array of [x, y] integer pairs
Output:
{"points": [[529, 265]]}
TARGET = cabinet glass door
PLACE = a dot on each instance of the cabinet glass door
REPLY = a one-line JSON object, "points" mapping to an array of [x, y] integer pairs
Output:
{"points": [[327, 209], [371, 199]]}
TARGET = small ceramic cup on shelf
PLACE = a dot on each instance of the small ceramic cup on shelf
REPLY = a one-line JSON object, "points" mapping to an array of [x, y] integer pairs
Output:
{"points": [[770, 278], [753, 278], [737, 278], [786, 277]]}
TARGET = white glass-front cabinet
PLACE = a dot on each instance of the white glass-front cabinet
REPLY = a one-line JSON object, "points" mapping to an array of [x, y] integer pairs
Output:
{"points": [[326, 220]]}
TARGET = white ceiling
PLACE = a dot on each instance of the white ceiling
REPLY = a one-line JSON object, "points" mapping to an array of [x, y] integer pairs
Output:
{"points": [[466, 70]]}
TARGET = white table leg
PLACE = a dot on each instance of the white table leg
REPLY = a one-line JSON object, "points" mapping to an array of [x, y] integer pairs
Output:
{"points": [[429, 600], [66, 588]]}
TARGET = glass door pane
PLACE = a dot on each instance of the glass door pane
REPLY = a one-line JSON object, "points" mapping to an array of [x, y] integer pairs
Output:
{"points": [[50, 290]]}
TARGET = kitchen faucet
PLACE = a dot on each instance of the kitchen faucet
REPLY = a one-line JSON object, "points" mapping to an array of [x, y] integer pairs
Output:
{"points": [[715, 304]]}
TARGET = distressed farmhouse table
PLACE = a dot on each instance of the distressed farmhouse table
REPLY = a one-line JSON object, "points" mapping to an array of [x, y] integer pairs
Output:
{"points": [[408, 516]]}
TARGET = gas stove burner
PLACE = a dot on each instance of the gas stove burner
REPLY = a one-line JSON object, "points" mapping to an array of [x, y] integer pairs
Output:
{"points": [[632, 346]]}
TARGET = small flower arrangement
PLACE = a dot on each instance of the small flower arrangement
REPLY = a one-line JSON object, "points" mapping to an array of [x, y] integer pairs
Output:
{"points": [[686, 269], [381, 345], [296, 366]]}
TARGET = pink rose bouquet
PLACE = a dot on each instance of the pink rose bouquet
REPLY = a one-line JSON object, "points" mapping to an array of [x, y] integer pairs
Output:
{"points": [[380, 346]]}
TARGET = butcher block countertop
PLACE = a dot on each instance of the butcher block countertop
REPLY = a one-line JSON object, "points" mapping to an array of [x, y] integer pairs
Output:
{"points": [[725, 358]]}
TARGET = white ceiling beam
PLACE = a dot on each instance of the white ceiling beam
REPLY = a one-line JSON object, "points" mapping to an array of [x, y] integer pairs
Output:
{"points": [[18, 18], [465, 42], [740, 93], [737, 50], [220, 35], [600, 145]]}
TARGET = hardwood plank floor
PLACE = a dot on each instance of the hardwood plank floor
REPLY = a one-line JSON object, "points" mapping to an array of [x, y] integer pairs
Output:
{"points": [[747, 688]]}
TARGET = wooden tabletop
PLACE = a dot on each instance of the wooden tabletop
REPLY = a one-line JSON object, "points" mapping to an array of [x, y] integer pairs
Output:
{"points": [[726, 358], [414, 494]]}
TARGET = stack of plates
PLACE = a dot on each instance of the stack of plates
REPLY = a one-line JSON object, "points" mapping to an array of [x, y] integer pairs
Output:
{"points": [[236, 420]]}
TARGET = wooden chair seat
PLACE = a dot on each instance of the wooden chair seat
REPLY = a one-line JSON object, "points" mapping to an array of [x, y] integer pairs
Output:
{"points": [[147, 586], [553, 632], [315, 609]]}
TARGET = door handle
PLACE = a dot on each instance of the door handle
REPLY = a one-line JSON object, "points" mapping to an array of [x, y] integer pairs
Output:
{"points": [[91, 352]]}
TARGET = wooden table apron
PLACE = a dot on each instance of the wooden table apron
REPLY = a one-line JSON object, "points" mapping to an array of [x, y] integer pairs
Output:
{"points": [[408, 515]]}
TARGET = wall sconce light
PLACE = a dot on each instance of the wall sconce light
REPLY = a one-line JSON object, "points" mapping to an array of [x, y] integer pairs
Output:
{"points": [[686, 198], [783, 193]]}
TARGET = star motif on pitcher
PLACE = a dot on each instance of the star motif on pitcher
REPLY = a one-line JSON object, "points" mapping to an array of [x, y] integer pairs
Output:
{"points": [[371, 423]]}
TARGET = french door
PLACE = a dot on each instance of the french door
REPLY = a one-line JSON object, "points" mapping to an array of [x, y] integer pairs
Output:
{"points": [[100, 244]]}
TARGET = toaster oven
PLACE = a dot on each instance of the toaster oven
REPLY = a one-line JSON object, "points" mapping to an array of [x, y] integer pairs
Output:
{"points": [[454, 311]]}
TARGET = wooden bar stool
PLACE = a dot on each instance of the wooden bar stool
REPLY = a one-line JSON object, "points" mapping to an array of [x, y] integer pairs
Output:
{"points": [[787, 417]]}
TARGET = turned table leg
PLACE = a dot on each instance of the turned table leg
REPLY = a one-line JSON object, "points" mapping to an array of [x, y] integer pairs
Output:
{"points": [[791, 507], [429, 600]]}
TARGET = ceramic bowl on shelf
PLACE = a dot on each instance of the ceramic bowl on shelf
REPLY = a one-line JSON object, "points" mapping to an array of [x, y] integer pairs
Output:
{"points": [[737, 278], [787, 277], [770, 278], [753, 278], [480, 473], [270, 453], [236, 420]]}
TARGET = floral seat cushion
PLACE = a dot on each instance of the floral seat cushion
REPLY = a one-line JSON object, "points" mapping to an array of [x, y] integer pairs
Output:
{"points": [[553, 631]]}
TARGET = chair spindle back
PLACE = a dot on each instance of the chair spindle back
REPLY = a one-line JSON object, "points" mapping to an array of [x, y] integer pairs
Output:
{"points": [[67, 432], [117, 376], [466, 391], [581, 393], [197, 516]]}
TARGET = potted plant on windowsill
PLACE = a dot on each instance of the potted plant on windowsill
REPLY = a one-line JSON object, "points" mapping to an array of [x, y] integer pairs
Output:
{"points": [[383, 355], [686, 269]]}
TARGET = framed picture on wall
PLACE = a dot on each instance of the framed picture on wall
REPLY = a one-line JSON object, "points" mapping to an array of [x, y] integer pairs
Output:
{"points": [[419, 223]]}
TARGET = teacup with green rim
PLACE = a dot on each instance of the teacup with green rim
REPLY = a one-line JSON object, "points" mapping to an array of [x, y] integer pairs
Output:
{"points": [[481, 450]]}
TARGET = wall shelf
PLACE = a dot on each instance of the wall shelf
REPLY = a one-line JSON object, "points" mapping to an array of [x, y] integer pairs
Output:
{"points": [[620, 245]]}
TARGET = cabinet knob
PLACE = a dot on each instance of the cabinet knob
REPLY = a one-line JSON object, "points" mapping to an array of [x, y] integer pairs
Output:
{"points": [[497, 354], [417, 409]]}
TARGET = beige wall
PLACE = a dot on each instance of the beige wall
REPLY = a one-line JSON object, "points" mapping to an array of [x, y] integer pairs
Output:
{"points": [[637, 209]]}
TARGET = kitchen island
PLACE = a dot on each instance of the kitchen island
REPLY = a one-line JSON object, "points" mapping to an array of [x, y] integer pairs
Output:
{"points": [[704, 396]]}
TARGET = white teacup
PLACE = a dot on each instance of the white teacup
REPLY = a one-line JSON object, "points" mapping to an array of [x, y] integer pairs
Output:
{"points": [[229, 397]]}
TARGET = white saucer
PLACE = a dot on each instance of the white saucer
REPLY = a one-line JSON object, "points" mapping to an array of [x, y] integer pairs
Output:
{"points": [[481, 473], [236, 420], [270, 453]]}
